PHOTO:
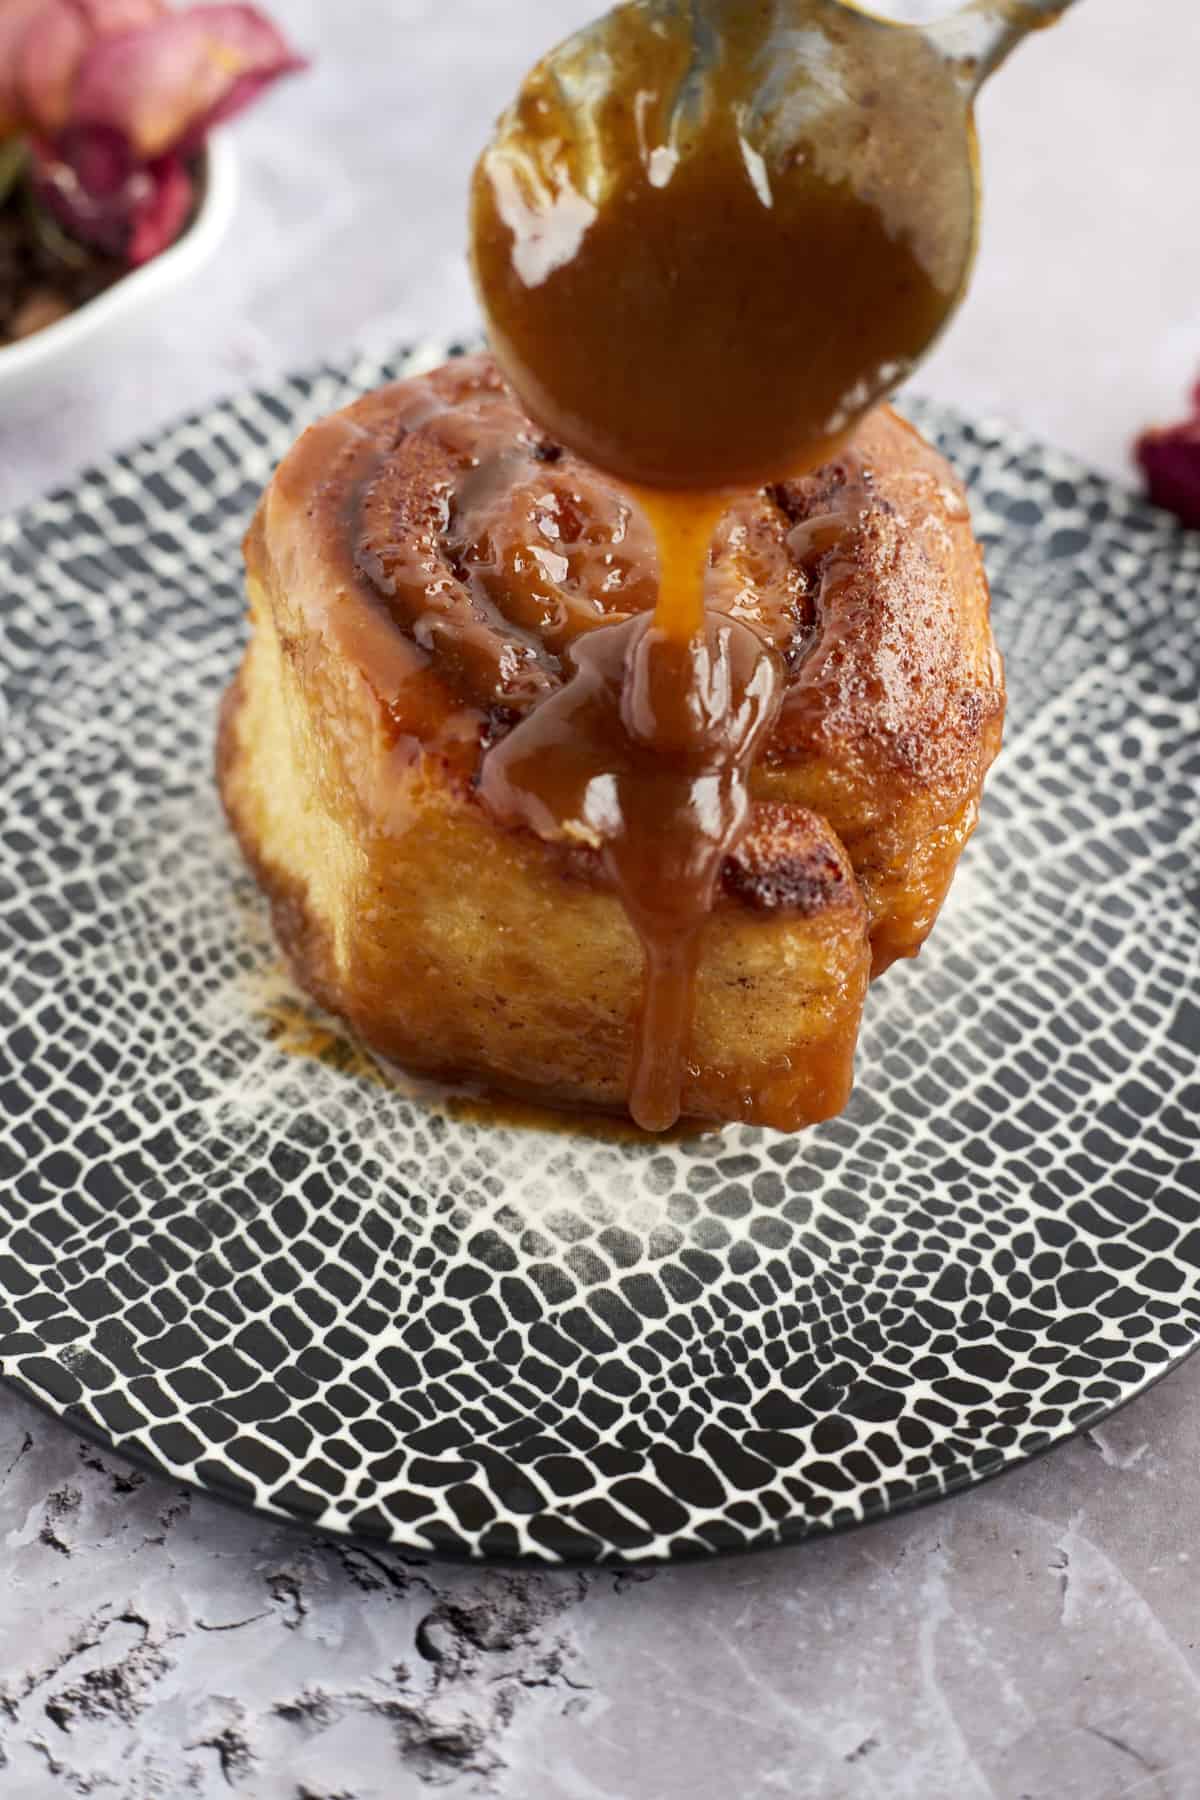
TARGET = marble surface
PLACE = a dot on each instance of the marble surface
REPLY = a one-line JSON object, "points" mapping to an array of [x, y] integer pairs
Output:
{"points": [[1036, 1638]]}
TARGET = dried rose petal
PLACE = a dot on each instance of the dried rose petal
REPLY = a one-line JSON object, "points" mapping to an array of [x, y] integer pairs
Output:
{"points": [[101, 159], [1170, 460], [161, 214], [165, 85], [107, 16], [91, 185], [54, 47], [16, 17], [115, 96]]}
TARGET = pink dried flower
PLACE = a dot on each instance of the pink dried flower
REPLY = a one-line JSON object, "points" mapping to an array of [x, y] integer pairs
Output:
{"points": [[17, 18], [55, 45], [1170, 460], [116, 96], [169, 83]]}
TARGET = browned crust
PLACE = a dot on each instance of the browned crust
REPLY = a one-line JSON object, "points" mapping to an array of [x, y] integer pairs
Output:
{"points": [[784, 865]]}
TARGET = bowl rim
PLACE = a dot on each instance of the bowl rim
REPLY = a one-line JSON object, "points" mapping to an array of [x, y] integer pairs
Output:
{"points": [[165, 271]]}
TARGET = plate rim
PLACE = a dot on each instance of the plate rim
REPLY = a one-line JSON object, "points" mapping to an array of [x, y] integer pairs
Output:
{"points": [[958, 1489]]}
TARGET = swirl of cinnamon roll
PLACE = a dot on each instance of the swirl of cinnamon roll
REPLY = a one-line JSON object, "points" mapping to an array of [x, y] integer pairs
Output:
{"points": [[431, 754]]}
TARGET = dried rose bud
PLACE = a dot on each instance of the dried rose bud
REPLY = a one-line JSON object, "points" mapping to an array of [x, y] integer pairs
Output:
{"points": [[165, 86], [117, 95], [1170, 459], [96, 191], [54, 48]]}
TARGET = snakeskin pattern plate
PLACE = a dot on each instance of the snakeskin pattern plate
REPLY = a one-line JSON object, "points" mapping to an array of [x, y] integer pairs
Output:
{"points": [[232, 1250]]}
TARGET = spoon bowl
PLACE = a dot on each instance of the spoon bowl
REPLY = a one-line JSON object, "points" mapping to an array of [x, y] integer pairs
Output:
{"points": [[709, 235]]}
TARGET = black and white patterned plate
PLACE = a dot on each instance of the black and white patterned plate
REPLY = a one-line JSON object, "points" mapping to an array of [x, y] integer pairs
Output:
{"points": [[276, 1277]]}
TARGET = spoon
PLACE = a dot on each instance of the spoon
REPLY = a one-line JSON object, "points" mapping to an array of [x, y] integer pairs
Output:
{"points": [[977, 38], [710, 235]]}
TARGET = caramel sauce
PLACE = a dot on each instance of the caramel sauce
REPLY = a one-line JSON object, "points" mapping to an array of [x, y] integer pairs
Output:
{"points": [[644, 755], [295, 1027], [707, 239], [492, 1110]]}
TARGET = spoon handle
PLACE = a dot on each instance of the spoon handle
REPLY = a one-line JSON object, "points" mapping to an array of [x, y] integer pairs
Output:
{"points": [[981, 35]]}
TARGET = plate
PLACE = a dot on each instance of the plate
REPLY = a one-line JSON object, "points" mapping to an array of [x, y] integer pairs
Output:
{"points": [[235, 1253]]}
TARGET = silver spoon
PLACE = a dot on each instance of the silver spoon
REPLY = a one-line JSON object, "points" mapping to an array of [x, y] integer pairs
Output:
{"points": [[980, 36]]}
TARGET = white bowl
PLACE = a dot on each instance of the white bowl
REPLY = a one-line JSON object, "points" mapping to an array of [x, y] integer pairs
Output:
{"points": [[54, 351]]}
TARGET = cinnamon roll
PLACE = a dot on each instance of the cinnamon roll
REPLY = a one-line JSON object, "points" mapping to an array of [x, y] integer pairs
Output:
{"points": [[434, 585]]}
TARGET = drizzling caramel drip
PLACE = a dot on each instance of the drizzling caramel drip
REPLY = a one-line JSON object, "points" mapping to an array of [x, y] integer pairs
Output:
{"points": [[684, 526], [645, 756], [678, 680]]}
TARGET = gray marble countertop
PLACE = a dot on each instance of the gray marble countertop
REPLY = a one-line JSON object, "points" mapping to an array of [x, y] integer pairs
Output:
{"points": [[1036, 1638]]}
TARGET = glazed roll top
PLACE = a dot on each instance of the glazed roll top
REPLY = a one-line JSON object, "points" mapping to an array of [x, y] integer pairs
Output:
{"points": [[433, 572], [453, 556]]}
